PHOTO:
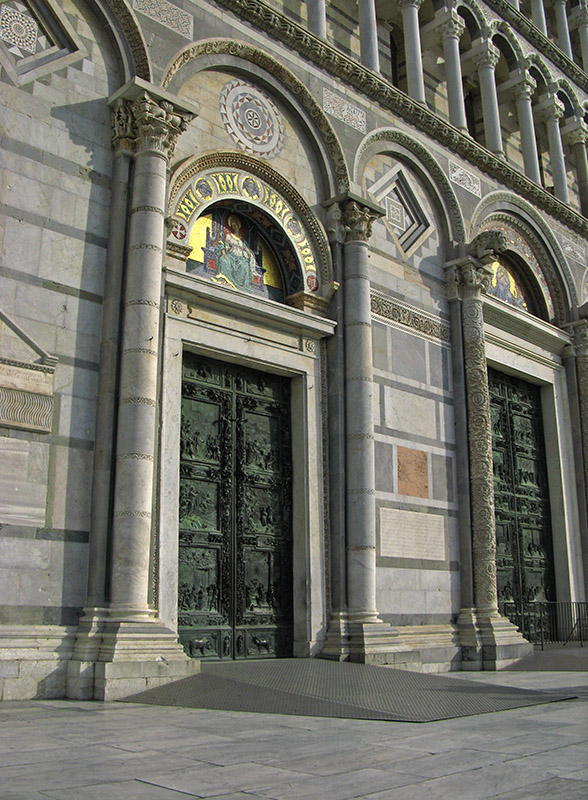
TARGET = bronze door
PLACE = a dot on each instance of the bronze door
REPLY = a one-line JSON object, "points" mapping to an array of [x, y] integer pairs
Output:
{"points": [[235, 537], [524, 552]]}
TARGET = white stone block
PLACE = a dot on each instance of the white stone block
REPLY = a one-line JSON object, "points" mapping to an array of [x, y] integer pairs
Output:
{"points": [[407, 412], [25, 554]]}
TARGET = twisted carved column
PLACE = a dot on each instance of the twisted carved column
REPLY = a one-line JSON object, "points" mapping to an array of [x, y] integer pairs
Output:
{"points": [[475, 277]]}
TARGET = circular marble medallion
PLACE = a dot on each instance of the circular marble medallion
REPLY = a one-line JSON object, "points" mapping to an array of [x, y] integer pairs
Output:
{"points": [[251, 119]]}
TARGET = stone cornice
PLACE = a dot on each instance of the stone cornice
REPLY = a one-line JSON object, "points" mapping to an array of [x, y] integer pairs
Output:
{"points": [[376, 88]]}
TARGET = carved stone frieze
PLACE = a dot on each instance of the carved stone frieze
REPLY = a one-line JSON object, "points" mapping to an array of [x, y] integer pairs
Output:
{"points": [[388, 309], [379, 89]]}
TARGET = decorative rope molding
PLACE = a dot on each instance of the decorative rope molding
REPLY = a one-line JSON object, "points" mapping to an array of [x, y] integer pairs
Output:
{"points": [[154, 209], [376, 88], [26, 365], [138, 401], [20, 409], [387, 308], [143, 514], [135, 456]]}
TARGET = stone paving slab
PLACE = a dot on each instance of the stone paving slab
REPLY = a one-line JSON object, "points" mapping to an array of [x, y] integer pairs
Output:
{"points": [[74, 750]]}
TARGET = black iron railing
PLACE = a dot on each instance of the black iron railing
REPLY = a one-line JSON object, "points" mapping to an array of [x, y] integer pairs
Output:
{"points": [[546, 622]]}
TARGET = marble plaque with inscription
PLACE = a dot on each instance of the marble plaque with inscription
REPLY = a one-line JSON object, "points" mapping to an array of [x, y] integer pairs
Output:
{"points": [[411, 534]]}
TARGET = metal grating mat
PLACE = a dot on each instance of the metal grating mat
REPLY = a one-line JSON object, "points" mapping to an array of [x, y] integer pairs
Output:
{"points": [[317, 688]]}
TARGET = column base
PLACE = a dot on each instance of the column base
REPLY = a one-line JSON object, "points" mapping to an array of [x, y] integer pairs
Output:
{"points": [[365, 639], [118, 653], [489, 641]]}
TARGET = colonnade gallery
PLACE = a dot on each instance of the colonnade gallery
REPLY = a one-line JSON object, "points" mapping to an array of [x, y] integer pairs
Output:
{"points": [[293, 335]]}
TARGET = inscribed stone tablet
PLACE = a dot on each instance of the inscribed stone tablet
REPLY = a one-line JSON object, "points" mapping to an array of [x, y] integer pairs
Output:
{"points": [[411, 534]]}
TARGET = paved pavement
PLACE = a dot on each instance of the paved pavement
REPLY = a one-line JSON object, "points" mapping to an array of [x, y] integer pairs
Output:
{"points": [[93, 751]]}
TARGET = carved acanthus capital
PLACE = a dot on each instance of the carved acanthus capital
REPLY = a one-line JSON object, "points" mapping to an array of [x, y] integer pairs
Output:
{"points": [[550, 108], [158, 124], [525, 87], [576, 132], [450, 25], [475, 278], [407, 3], [358, 220], [488, 55]]}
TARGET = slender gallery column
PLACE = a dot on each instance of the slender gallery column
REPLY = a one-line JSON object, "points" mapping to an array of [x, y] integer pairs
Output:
{"points": [[563, 29], [580, 16], [158, 127], [486, 61], [360, 463], [451, 30], [551, 110], [412, 49], [580, 333], [523, 93], [368, 35], [576, 135], [317, 18], [538, 15]]}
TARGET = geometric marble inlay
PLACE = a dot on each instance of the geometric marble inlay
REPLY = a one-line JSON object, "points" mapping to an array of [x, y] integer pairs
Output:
{"points": [[251, 119], [338, 107], [18, 29]]}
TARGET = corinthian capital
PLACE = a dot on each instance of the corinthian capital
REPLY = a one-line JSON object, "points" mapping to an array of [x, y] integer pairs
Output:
{"points": [[158, 124], [358, 219]]}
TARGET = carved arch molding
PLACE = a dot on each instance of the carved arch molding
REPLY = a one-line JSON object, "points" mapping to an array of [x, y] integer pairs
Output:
{"points": [[405, 148], [201, 182], [246, 52]]}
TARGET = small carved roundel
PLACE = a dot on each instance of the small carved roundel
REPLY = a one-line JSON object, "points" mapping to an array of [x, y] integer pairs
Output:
{"points": [[251, 119]]}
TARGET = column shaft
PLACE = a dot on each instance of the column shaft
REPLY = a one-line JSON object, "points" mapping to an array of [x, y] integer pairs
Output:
{"points": [[556, 156], [480, 450], [455, 95], [583, 33], [412, 49], [360, 466], [368, 35], [538, 15], [317, 18], [490, 108], [528, 138], [563, 29], [136, 441]]}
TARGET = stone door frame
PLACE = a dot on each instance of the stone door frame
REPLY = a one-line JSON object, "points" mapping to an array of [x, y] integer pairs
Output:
{"points": [[526, 347], [228, 325]]}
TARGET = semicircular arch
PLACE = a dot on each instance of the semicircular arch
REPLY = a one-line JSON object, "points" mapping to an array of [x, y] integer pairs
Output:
{"points": [[515, 212], [253, 62], [250, 181], [124, 31], [418, 158]]}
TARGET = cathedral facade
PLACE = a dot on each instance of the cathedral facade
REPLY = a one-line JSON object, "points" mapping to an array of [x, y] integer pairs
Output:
{"points": [[293, 334]]}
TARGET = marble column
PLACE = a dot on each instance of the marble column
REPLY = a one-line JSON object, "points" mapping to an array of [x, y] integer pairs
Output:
{"points": [[576, 135], [523, 92], [359, 432], [368, 35], [538, 15], [551, 110], [486, 60], [563, 29], [580, 17], [580, 334], [130, 647], [317, 17], [412, 49], [451, 30]]}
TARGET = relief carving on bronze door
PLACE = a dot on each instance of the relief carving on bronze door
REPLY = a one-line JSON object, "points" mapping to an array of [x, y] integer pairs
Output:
{"points": [[235, 531], [524, 551]]}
